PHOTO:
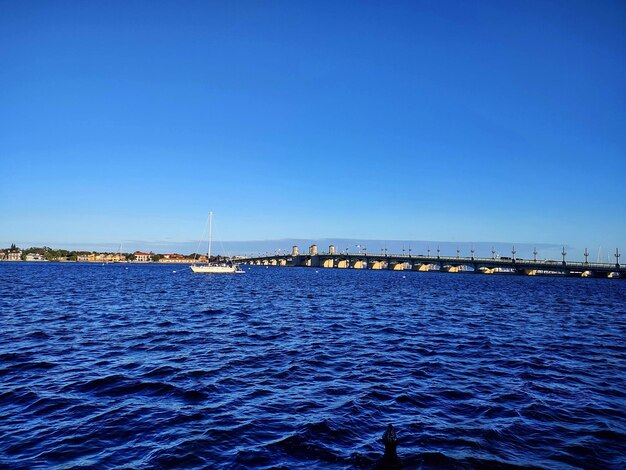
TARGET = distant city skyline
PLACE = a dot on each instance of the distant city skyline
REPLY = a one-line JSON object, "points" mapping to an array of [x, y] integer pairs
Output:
{"points": [[449, 121]]}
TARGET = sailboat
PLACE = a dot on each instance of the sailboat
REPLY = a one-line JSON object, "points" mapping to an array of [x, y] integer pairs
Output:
{"points": [[119, 256], [215, 268]]}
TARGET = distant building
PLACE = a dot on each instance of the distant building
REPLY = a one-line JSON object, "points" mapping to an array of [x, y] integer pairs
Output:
{"points": [[14, 255], [82, 258], [142, 257], [35, 257], [175, 258]]}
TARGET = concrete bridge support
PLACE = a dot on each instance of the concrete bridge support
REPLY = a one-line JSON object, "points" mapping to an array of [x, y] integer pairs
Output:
{"points": [[282, 262], [328, 263], [358, 264], [452, 269], [343, 264], [421, 267], [395, 266], [377, 264]]}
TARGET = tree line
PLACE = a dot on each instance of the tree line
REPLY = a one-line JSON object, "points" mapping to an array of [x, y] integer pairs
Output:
{"points": [[51, 254]]}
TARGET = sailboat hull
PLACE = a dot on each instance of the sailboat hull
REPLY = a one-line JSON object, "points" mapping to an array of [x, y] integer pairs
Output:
{"points": [[208, 269]]}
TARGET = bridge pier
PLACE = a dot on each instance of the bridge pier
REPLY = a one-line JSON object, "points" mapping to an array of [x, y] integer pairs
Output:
{"points": [[358, 264], [395, 266], [528, 272], [421, 267], [376, 264], [343, 264]]}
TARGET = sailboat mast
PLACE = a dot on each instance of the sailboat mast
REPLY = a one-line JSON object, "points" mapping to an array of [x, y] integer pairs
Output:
{"points": [[210, 233]]}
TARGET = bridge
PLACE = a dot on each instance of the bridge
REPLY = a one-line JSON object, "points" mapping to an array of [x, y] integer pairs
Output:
{"points": [[451, 264]]}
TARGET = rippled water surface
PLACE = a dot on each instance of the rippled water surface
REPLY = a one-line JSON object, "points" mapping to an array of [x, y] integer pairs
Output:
{"points": [[142, 366]]}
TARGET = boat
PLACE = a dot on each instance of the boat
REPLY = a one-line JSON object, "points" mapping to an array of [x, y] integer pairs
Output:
{"points": [[215, 268], [119, 256]]}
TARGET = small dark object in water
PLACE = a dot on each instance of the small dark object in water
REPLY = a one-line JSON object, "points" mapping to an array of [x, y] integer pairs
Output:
{"points": [[390, 461]]}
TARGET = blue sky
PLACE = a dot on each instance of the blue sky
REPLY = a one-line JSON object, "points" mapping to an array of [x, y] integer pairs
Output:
{"points": [[447, 121]]}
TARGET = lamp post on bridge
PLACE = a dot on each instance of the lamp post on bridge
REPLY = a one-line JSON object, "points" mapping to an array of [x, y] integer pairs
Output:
{"points": [[438, 252], [563, 254], [403, 251], [535, 253], [458, 253], [472, 251], [586, 255], [409, 251], [513, 253], [617, 255], [493, 253], [428, 251], [365, 250]]}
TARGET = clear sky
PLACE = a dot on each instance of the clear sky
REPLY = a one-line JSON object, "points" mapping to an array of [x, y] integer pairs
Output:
{"points": [[451, 121]]}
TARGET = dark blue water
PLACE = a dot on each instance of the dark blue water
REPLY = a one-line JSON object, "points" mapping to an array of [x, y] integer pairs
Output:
{"points": [[142, 366]]}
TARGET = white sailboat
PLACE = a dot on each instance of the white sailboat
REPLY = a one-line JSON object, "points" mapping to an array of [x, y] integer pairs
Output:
{"points": [[119, 256], [215, 268]]}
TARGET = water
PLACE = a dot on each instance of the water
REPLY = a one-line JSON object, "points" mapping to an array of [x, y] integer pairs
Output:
{"points": [[142, 366]]}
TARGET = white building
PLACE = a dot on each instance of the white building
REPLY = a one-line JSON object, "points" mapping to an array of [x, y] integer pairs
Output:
{"points": [[14, 256], [142, 257]]}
